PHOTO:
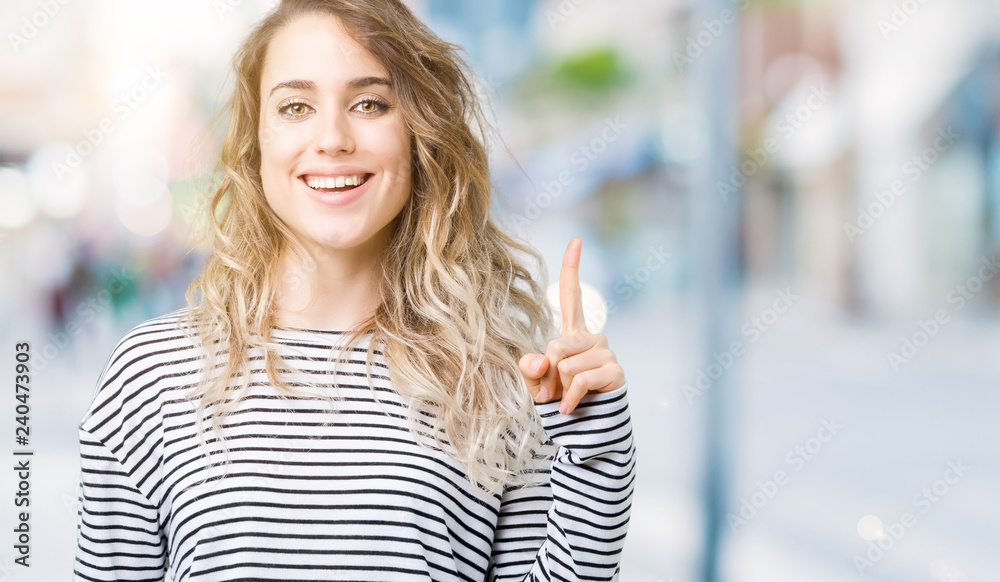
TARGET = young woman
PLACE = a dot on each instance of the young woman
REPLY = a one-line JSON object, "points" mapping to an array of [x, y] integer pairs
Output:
{"points": [[357, 388]]}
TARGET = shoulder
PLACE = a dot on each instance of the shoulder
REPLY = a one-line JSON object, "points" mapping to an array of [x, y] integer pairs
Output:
{"points": [[144, 342], [135, 363]]}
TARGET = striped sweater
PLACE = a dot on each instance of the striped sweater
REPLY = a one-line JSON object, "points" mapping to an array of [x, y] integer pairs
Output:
{"points": [[311, 495]]}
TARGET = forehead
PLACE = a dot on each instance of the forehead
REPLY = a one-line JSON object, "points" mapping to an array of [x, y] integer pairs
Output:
{"points": [[316, 47]]}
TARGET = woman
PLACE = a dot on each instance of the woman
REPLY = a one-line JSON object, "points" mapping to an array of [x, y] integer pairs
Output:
{"points": [[353, 219]]}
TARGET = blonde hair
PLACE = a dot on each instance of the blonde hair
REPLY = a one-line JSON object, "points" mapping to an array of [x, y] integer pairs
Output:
{"points": [[457, 307]]}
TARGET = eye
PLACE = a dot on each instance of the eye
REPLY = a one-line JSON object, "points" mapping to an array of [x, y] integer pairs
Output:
{"points": [[294, 109], [372, 106]]}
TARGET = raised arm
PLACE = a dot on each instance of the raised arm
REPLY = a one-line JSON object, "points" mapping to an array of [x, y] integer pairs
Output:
{"points": [[572, 525]]}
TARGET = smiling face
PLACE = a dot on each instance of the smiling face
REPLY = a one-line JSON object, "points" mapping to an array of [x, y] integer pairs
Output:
{"points": [[328, 113]]}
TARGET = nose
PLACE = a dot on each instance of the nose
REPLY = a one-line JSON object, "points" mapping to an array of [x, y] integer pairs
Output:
{"points": [[335, 134]]}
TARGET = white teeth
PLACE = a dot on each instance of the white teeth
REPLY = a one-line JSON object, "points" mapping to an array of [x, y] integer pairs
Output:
{"points": [[338, 182]]}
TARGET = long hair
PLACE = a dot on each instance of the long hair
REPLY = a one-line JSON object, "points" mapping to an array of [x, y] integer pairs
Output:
{"points": [[458, 307]]}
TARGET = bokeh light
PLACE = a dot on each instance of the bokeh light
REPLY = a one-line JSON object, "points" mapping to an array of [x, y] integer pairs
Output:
{"points": [[870, 528], [150, 217], [61, 190], [19, 206]]}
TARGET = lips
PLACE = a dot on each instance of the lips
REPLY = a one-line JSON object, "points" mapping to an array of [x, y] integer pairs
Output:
{"points": [[337, 197]]}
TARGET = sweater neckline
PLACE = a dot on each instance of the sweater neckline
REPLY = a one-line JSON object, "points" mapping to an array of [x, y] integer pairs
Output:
{"points": [[317, 336], [306, 329]]}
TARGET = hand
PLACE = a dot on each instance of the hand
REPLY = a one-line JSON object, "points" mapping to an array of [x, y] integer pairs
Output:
{"points": [[578, 362]]}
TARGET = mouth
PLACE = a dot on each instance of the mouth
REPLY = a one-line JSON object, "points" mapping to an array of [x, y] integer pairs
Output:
{"points": [[334, 185]]}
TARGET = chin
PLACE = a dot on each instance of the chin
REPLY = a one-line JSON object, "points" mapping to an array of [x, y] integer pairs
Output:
{"points": [[338, 239]]}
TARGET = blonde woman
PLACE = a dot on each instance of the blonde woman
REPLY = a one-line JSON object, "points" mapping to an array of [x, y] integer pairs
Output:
{"points": [[363, 384]]}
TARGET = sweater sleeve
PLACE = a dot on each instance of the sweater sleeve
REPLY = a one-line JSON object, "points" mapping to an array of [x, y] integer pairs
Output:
{"points": [[118, 531], [571, 524]]}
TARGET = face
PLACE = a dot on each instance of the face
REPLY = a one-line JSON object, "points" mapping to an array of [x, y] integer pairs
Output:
{"points": [[328, 113]]}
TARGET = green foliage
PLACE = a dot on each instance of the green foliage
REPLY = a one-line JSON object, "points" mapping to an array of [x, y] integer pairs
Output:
{"points": [[599, 70]]}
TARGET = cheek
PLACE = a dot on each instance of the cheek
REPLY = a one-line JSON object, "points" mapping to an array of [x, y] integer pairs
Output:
{"points": [[400, 154], [275, 159], [275, 166], [265, 143], [390, 142]]}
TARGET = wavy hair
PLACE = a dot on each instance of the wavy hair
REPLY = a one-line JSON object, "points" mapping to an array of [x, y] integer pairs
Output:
{"points": [[458, 306]]}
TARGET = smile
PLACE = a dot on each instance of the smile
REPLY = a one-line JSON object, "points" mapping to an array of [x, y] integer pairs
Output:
{"points": [[338, 191], [335, 184]]}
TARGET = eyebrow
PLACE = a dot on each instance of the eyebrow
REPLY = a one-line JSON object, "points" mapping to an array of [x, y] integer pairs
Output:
{"points": [[305, 85]]}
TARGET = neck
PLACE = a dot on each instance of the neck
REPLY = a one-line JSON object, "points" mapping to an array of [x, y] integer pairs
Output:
{"points": [[333, 289]]}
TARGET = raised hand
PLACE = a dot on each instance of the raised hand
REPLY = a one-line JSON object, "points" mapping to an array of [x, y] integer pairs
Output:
{"points": [[578, 362]]}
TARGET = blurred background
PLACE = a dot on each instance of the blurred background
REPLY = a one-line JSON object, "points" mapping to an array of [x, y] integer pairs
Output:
{"points": [[791, 208]]}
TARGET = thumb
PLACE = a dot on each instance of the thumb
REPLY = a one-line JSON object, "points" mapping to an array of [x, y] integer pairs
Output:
{"points": [[533, 367]]}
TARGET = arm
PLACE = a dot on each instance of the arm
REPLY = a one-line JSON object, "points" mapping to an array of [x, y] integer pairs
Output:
{"points": [[572, 526], [118, 532]]}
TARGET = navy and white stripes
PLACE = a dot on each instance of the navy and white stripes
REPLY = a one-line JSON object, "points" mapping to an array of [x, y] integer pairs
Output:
{"points": [[311, 495]]}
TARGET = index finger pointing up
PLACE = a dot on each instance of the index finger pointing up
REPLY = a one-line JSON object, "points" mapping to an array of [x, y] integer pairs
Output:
{"points": [[570, 296]]}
